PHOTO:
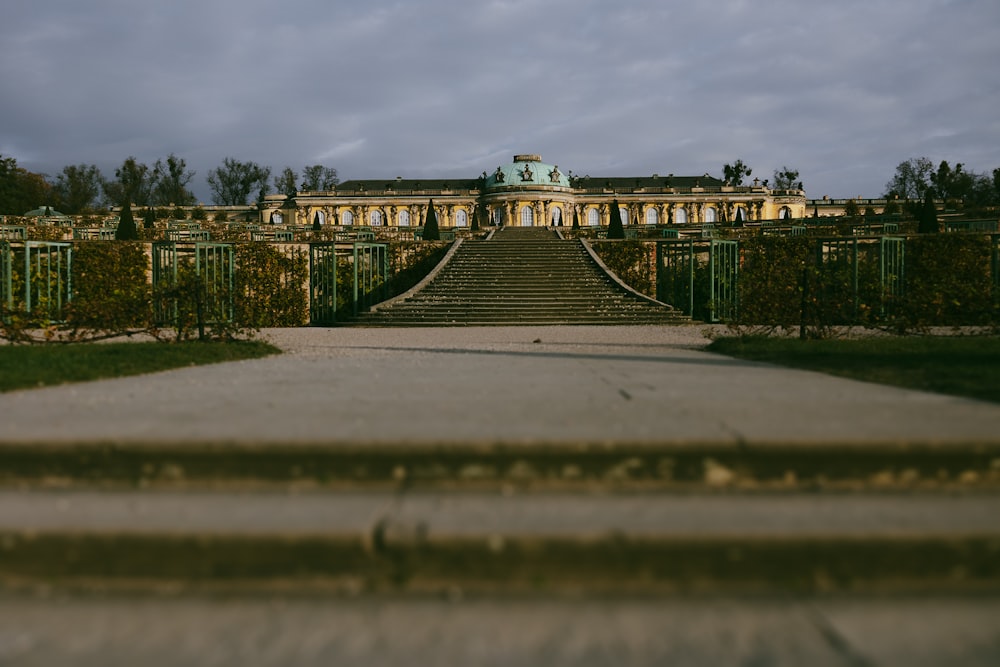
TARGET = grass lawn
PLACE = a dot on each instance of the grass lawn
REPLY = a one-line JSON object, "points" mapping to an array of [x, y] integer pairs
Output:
{"points": [[961, 366], [23, 366]]}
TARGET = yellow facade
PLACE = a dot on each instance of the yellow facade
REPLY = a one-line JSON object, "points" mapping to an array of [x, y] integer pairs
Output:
{"points": [[529, 192]]}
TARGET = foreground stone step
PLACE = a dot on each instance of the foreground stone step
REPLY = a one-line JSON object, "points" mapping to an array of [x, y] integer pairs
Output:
{"points": [[534, 542], [557, 466]]}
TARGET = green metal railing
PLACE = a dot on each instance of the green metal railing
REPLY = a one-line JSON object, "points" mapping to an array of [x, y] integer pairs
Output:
{"points": [[675, 265], [6, 276], [322, 283], [989, 226], [42, 284], [677, 277], [724, 262], [48, 285], [371, 275], [995, 265], [892, 262], [213, 266], [13, 233], [837, 259]]}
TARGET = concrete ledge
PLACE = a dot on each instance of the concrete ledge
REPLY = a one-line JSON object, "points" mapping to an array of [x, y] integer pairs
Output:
{"points": [[582, 465], [609, 564]]}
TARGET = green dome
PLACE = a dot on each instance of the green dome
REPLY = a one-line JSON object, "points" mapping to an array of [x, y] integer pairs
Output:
{"points": [[527, 171]]}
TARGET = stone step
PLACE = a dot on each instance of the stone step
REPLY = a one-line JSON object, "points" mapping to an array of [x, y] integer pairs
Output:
{"points": [[425, 541], [520, 275]]}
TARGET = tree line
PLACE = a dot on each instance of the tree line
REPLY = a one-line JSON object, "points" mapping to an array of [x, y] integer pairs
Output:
{"points": [[83, 188], [917, 178]]}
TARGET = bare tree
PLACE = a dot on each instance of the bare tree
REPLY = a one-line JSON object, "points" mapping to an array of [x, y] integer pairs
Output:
{"points": [[319, 178], [234, 181], [78, 188], [285, 183], [911, 180], [133, 183], [170, 180]]}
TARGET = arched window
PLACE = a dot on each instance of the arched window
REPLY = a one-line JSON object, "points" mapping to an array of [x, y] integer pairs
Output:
{"points": [[680, 216], [624, 213], [277, 218], [557, 216], [404, 218], [527, 217], [740, 215], [461, 218], [652, 217], [347, 218], [593, 217], [375, 218], [785, 213], [710, 214]]}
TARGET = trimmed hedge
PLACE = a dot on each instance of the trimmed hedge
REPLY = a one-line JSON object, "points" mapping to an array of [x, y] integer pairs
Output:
{"points": [[819, 283], [270, 286], [112, 293]]}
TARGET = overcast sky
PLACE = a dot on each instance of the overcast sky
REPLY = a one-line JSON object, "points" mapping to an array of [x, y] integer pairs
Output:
{"points": [[842, 91]]}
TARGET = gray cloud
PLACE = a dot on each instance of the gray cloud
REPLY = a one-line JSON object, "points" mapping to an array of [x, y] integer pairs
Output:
{"points": [[841, 91]]}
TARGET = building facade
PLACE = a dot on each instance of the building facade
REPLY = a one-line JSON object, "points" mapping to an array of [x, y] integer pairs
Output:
{"points": [[530, 192]]}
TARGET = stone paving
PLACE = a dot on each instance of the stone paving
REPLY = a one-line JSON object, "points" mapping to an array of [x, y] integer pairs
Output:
{"points": [[517, 386], [172, 629], [487, 385]]}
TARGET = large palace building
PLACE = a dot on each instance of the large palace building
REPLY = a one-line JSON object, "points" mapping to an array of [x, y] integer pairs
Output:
{"points": [[529, 192]]}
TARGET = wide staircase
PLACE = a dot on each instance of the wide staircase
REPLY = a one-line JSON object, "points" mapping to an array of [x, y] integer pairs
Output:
{"points": [[521, 275]]}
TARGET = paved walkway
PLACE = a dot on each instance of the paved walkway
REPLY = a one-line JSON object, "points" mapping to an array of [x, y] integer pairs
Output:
{"points": [[838, 631], [488, 385], [471, 386]]}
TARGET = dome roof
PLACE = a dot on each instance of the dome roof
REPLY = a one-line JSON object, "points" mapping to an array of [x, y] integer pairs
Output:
{"points": [[44, 212], [526, 171]]}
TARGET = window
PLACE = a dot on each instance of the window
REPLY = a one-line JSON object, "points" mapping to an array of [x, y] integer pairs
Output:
{"points": [[680, 216], [319, 218], [785, 213], [593, 217], [404, 218], [624, 213], [652, 217], [461, 218], [375, 218], [557, 216], [347, 218], [740, 215], [710, 214], [527, 217]]}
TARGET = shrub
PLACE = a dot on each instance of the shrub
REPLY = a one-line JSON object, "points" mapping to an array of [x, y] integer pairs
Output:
{"points": [[111, 294], [270, 286], [632, 261], [948, 282]]}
